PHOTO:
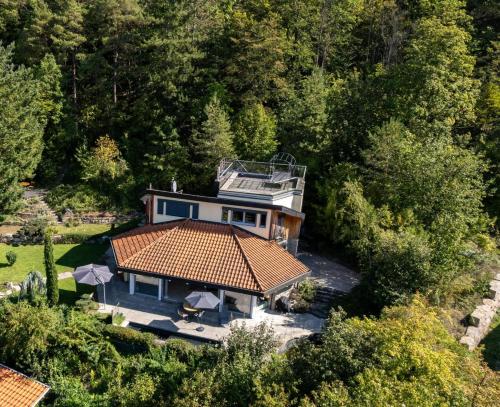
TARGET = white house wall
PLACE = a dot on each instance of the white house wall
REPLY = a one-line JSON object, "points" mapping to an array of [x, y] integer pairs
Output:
{"points": [[286, 201], [212, 212]]}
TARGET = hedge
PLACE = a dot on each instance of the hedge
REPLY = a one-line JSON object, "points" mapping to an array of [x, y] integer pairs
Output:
{"points": [[128, 340]]}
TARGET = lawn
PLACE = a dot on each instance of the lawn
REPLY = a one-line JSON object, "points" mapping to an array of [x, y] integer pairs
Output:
{"points": [[30, 257], [90, 229], [491, 344], [70, 291]]}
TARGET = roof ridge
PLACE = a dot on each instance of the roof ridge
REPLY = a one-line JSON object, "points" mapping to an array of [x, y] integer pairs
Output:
{"points": [[247, 260], [160, 239]]}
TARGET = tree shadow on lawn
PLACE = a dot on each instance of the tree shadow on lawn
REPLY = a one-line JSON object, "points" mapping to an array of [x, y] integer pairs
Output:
{"points": [[2, 265], [82, 254], [70, 291]]}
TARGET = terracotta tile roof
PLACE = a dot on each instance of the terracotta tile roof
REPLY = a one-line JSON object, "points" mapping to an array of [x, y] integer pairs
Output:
{"points": [[18, 390], [213, 253]]}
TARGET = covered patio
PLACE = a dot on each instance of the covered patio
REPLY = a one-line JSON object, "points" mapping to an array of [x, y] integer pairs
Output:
{"points": [[244, 271], [170, 290], [144, 311]]}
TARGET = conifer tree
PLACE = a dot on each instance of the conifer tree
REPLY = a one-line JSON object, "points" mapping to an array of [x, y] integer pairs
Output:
{"points": [[50, 271], [22, 122], [213, 142]]}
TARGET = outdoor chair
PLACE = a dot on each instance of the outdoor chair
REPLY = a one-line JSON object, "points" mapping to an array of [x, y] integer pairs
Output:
{"points": [[182, 314]]}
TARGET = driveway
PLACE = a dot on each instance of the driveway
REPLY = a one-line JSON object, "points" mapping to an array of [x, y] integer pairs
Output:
{"points": [[329, 273]]}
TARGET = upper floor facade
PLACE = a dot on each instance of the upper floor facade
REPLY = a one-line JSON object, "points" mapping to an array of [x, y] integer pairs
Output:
{"points": [[266, 204]]}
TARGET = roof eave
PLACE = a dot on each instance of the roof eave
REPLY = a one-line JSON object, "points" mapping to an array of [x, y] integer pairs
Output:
{"points": [[271, 290], [280, 287], [187, 280]]}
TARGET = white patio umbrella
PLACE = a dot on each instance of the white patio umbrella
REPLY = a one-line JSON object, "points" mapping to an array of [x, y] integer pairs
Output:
{"points": [[93, 274], [202, 300]]}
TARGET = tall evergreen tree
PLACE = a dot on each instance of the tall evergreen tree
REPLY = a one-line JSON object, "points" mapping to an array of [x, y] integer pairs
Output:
{"points": [[22, 121], [50, 270], [213, 142], [255, 52]]}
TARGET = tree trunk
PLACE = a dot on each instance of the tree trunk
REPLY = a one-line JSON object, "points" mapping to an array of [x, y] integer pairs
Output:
{"points": [[75, 99], [115, 64]]}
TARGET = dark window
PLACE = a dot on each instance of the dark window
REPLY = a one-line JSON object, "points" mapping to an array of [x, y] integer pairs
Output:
{"points": [[237, 216], [263, 220], [251, 218], [225, 215], [195, 211], [178, 208], [161, 206]]}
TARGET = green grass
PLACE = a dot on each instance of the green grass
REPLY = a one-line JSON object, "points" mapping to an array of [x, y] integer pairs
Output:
{"points": [[30, 257], [70, 291], [86, 229], [491, 344]]}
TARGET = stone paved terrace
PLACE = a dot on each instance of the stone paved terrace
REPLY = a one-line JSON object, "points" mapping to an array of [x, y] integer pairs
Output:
{"points": [[147, 311]]}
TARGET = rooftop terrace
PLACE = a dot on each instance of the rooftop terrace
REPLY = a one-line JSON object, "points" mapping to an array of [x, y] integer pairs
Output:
{"points": [[278, 175]]}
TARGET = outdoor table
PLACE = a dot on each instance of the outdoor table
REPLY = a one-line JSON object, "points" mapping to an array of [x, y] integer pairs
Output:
{"points": [[189, 309]]}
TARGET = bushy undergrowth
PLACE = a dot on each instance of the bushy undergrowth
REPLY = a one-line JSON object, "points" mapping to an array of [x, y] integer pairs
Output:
{"points": [[78, 198], [404, 357]]}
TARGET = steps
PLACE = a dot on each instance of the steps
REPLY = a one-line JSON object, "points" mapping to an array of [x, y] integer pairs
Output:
{"points": [[323, 300], [36, 207]]}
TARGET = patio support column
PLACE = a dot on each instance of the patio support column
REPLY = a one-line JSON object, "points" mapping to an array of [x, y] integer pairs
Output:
{"points": [[221, 299], [131, 283], [272, 302], [160, 289], [165, 294], [253, 306]]}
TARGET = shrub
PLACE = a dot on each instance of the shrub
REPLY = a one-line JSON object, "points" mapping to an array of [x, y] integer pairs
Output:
{"points": [[127, 340], [11, 257], [34, 228], [78, 198], [118, 318], [307, 290], [86, 305], [73, 238], [72, 222]]}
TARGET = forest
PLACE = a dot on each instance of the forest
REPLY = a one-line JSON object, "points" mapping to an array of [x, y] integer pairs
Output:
{"points": [[393, 106]]}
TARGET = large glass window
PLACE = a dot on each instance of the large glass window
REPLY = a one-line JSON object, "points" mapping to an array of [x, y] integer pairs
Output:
{"points": [[250, 218], [237, 216], [243, 216], [179, 209], [263, 220]]}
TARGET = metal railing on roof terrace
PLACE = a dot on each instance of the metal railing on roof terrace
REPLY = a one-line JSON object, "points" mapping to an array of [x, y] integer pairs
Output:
{"points": [[273, 171]]}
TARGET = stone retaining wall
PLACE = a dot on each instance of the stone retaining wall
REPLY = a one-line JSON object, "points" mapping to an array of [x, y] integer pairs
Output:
{"points": [[27, 240], [9, 238], [481, 317], [99, 218]]}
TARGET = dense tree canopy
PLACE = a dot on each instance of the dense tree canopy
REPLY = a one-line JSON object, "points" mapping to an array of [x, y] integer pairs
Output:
{"points": [[404, 357], [392, 105]]}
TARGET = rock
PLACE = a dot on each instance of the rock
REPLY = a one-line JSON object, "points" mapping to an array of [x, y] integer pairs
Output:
{"points": [[494, 293], [480, 319], [468, 341]]}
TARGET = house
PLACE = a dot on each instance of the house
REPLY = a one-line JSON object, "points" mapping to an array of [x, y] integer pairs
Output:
{"points": [[240, 244], [18, 390]]}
